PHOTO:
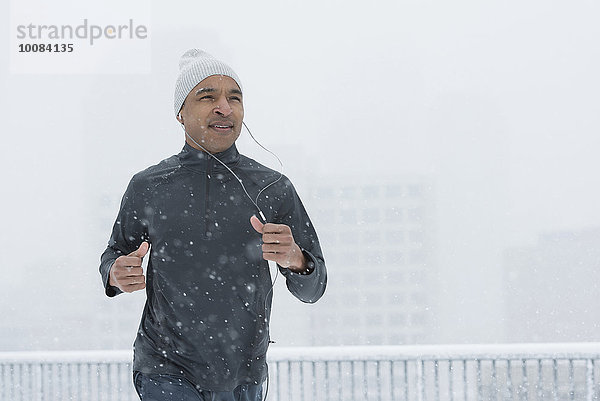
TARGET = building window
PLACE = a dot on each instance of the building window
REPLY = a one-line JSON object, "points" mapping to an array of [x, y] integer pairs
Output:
{"points": [[395, 257], [397, 319], [415, 215], [370, 191], [418, 298], [394, 190], [348, 193], [414, 191], [373, 299], [375, 319], [348, 238], [371, 237], [416, 237], [396, 277], [371, 215], [324, 193], [394, 216], [349, 258], [416, 277], [351, 321], [325, 216], [348, 216], [418, 319], [417, 257], [395, 237], [372, 258]]}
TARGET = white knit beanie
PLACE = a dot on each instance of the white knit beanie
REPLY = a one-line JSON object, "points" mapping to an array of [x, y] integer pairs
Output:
{"points": [[194, 66]]}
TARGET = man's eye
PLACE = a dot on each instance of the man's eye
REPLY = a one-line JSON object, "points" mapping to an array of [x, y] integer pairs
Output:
{"points": [[206, 97], [236, 98]]}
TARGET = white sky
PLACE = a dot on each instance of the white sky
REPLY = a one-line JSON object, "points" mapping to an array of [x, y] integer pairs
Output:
{"points": [[497, 102]]}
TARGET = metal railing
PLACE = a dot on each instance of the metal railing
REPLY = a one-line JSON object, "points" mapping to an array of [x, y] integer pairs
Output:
{"points": [[383, 373], [66, 375]]}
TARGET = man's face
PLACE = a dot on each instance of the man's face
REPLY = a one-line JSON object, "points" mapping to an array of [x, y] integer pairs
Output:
{"points": [[213, 112]]}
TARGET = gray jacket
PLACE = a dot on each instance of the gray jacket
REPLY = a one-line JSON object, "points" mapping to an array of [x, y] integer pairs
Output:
{"points": [[208, 302]]}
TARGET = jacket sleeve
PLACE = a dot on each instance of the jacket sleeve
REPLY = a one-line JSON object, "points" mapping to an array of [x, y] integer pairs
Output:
{"points": [[306, 287], [127, 235]]}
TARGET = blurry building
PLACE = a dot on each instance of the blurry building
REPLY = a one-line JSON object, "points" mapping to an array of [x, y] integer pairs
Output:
{"points": [[552, 288], [377, 236]]}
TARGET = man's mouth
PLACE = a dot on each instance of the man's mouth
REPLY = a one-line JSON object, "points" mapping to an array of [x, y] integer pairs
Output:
{"points": [[221, 126]]}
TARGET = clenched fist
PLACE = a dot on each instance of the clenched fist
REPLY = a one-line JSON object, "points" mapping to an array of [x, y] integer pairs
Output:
{"points": [[127, 273], [279, 245]]}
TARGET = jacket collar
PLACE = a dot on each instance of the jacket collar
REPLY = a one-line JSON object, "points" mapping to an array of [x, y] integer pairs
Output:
{"points": [[200, 160]]}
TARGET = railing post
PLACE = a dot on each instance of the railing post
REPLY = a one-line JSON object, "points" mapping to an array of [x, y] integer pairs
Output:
{"points": [[340, 386], [378, 364], [540, 389], [352, 379], [555, 379], [479, 382], [436, 378], [571, 380], [406, 380], [450, 380], [420, 380], [525, 382], [392, 396], [509, 385], [465, 383], [278, 381], [589, 379], [494, 388], [302, 380], [314, 381], [42, 381], [327, 380], [60, 380], [289, 369], [365, 381]]}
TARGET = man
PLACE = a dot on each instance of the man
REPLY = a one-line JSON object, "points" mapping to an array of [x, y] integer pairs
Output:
{"points": [[204, 331]]}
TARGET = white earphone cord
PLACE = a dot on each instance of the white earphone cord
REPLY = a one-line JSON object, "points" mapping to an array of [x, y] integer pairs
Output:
{"points": [[254, 201], [278, 159]]}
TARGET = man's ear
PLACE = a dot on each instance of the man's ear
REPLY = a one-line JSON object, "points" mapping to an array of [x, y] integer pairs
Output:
{"points": [[179, 116]]}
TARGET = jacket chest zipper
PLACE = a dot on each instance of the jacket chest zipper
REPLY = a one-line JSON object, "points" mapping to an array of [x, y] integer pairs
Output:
{"points": [[206, 229]]}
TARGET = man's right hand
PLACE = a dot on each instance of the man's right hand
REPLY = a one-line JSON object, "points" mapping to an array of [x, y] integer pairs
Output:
{"points": [[127, 273]]}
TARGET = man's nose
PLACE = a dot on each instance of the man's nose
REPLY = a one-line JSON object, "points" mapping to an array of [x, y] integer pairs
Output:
{"points": [[222, 107]]}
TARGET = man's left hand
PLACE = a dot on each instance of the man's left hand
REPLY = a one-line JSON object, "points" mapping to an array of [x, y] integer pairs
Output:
{"points": [[279, 245]]}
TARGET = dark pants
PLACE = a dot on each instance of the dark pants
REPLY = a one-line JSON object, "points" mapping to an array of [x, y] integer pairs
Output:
{"points": [[175, 388]]}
